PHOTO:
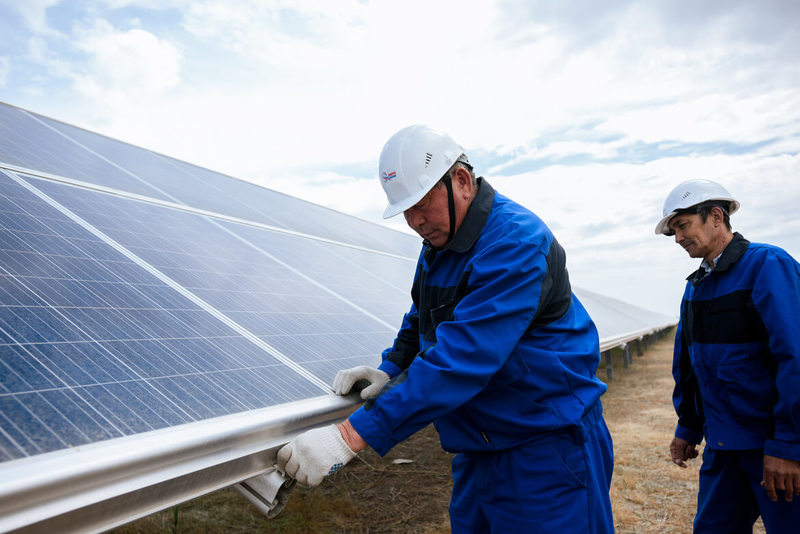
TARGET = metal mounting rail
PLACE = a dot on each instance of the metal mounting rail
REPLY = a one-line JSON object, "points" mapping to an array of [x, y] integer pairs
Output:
{"points": [[99, 486], [620, 340]]}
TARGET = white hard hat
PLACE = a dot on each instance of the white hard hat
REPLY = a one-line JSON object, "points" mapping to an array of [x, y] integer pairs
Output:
{"points": [[411, 163], [690, 194]]}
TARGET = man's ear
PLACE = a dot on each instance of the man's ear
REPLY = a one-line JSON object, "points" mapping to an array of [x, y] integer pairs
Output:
{"points": [[463, 179], [719, 217]]}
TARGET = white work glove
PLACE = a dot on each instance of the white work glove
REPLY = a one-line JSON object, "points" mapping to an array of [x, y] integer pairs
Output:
{"points": [[315, 454], [344, 381]]}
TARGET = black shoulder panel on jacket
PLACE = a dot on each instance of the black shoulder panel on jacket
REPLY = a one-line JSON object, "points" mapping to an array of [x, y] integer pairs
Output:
{"points": [[556, 296]]}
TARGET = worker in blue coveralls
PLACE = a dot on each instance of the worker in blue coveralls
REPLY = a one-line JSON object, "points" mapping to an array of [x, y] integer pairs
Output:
{"points": [[736, 367], [495, 350]]}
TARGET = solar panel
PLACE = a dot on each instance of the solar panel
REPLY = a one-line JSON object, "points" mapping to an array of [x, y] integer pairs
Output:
{"points": [[67, 151], [29, 143]]}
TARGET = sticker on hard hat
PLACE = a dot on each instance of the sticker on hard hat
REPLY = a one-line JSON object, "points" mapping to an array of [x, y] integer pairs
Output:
{"points": [[388, 176]]}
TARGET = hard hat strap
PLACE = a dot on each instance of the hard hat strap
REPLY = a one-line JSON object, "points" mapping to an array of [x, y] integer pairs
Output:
{"points": [[451, 206]]}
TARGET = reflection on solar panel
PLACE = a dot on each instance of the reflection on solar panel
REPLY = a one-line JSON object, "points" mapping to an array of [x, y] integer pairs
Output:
{"points": [[139, 293]]}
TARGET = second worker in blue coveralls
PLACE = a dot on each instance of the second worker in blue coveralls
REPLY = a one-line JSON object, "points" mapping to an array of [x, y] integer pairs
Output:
{"points": [[736, 367], [495, 351]]}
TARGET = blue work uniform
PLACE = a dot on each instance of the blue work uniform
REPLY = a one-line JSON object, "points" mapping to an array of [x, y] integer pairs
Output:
{"points": [[737, 370], [499, 354]]}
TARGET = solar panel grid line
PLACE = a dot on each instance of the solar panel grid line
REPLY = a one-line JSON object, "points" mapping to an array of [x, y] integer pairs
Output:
{"points": [[86, 320], [175, 164], [9, 439], [18, 449], [179, 166], [99, 371], [57, 376], [101, 157], [305, 277], [58, 373], [177, 287], [363, 271], [38, 399], [29, 143], [190, 209]]}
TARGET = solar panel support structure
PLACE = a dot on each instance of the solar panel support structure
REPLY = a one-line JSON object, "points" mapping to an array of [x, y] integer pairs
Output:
{"points": [[106, 484], [269, 492]]}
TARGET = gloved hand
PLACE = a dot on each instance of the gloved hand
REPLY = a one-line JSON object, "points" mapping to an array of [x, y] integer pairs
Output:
{"points": [[315, 454], [344, 381]]}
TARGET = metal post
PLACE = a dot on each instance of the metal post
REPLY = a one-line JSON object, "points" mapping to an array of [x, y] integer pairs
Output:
{"points": [[609, 367], [626, 355], [639, 347]]}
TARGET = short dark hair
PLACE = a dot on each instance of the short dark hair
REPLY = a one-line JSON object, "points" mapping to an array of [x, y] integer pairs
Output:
{"points": [[704, 210], [459, 163]]}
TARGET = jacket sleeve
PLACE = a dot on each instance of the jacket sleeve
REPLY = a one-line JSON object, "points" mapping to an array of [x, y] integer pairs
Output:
{"points": [[686, 395], [505, 285], [776, 297]]}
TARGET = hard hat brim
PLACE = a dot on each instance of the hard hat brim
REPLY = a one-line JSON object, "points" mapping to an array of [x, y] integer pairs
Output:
{"points": [[663, 225], [401, 206]]}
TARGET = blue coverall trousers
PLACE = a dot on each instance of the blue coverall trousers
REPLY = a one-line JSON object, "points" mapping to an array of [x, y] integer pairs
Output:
{"points": [[731, 497], [557, 484]]}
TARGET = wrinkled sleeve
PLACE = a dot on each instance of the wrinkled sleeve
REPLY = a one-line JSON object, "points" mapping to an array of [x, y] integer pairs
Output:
{"points": [[776, 296], [686, 395], [505, 285]]}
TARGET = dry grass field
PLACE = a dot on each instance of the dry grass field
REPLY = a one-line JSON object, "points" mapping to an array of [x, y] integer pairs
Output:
{"points": [[374, 495]]}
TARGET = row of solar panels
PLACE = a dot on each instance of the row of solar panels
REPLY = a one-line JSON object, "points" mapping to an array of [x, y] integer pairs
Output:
{"points": [[163, 328]]}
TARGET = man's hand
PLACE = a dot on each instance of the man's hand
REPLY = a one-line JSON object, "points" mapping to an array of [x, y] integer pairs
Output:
{"points": [[315, 454], [681, 450], [781, 474], [344, 381]]}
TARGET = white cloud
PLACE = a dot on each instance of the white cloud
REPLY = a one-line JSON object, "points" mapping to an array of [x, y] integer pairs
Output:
{"points": [[294, 34], [33, 12], [124, 65]]}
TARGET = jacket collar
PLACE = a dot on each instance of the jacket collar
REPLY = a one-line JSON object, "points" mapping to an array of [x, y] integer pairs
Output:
{"points": [[735, 250], [475, 218]]}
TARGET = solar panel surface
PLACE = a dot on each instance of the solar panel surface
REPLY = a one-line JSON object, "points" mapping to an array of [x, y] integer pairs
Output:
{"points": [[67, 151], [97, 346]]}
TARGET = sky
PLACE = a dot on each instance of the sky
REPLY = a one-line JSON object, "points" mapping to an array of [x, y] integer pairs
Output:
{"points": [[586, 112]]}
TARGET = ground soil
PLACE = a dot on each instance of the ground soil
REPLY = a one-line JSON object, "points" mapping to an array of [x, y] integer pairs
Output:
{"points": [[408, 490]]}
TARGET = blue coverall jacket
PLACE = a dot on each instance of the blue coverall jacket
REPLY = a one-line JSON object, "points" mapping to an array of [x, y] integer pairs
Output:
{"points": [[495, 350], [737, 353]]}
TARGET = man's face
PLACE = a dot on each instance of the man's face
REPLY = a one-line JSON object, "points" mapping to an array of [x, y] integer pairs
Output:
{"points": [[695, 236], [429, 217]]}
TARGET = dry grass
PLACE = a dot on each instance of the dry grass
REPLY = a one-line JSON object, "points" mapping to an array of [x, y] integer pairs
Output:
{"points": [[649, 494]]}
